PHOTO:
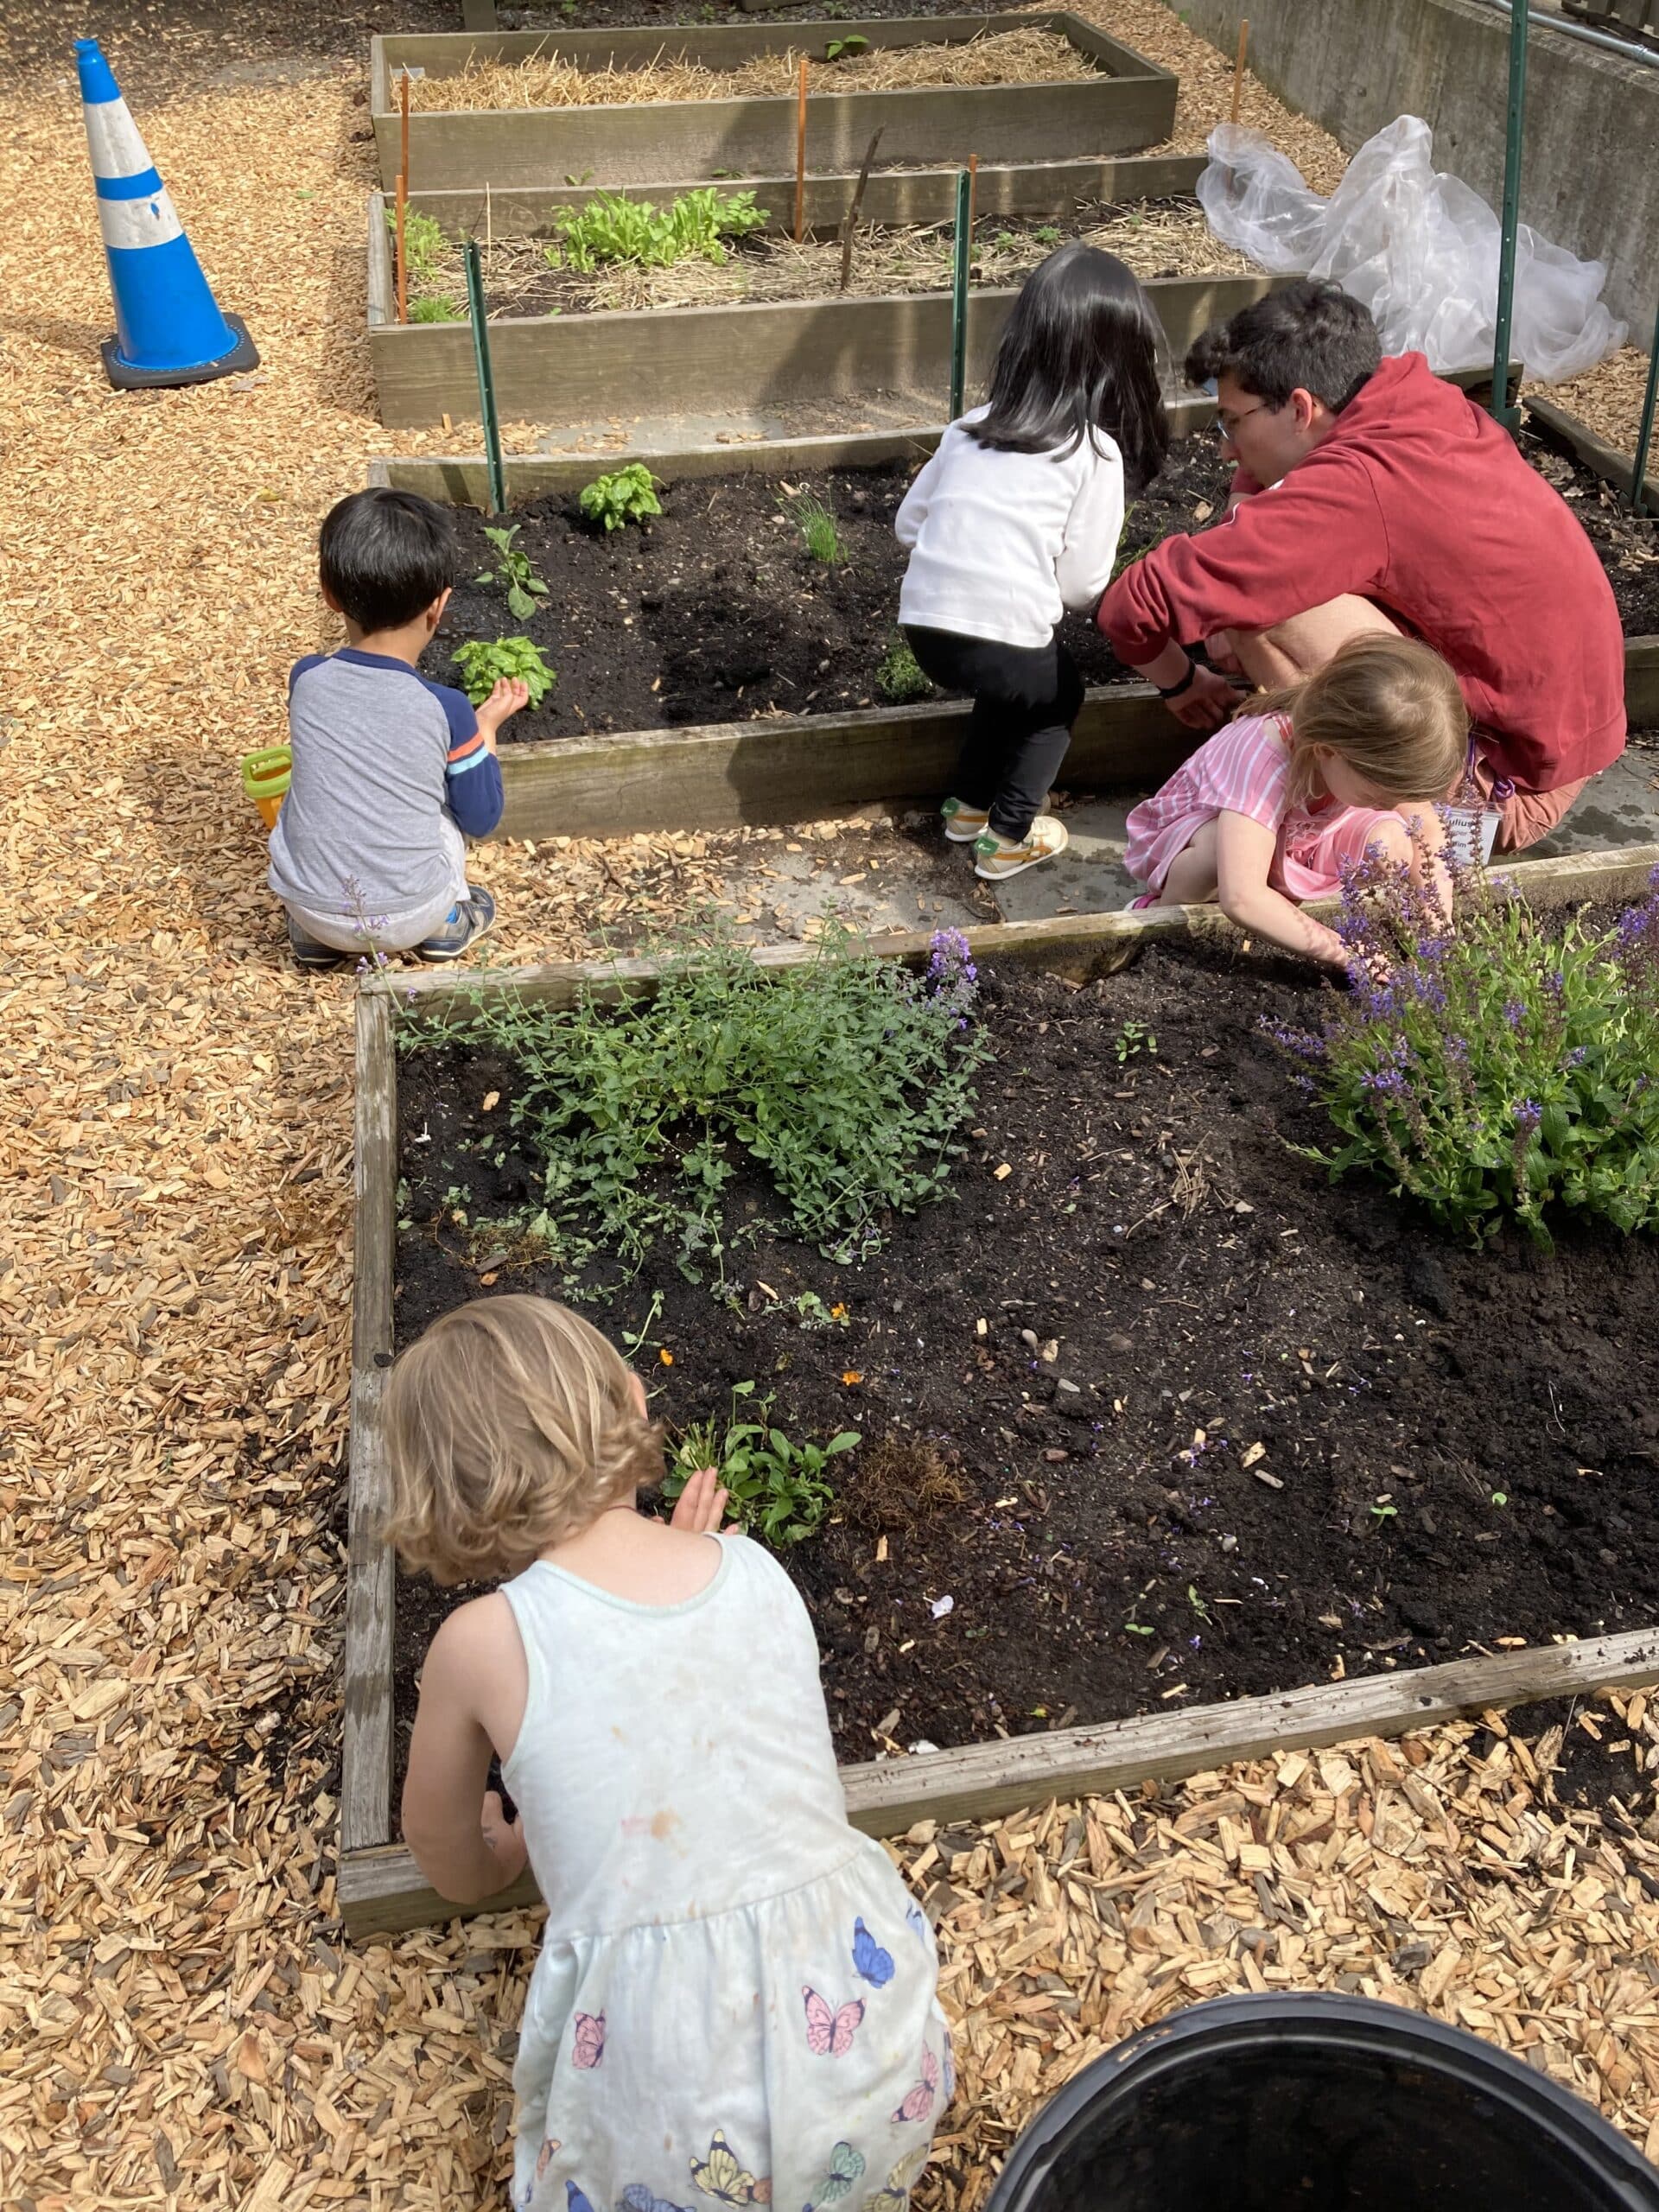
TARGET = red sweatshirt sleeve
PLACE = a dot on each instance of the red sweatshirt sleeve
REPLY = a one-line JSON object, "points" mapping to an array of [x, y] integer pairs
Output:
{"points": [[1313, 535]]}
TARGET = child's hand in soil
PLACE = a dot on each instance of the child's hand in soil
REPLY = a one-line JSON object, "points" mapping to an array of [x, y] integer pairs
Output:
{"points": [[700, 1506], [503, 1838], [510, 695]]}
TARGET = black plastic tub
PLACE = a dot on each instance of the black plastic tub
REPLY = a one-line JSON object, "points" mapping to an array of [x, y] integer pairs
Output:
{"points": [[1311, 2104]]}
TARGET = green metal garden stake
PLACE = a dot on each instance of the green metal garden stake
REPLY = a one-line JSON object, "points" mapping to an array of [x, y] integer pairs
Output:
{"points": [[485, 379], [1645, 433], [1503, 411], [959, 295]]}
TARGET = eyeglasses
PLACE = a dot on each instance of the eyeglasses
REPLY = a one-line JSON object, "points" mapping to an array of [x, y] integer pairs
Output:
{"points": [[1226, 426]]}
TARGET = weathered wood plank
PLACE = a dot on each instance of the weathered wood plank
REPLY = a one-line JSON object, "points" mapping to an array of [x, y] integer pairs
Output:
{"points": [[1129, 104], [1602, 459], [745, 355], [384, 1891], [891, 196], [801, 767], [365, 1792], [1068, 940], [1642, 681], [462, 480], [808, 767]]}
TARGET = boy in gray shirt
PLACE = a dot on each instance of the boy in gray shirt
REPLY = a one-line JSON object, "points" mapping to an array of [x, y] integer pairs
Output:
{"points": [[391, 773]]}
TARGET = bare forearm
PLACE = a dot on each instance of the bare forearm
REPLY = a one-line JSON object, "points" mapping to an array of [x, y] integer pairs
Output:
{"points": [[1266, 912], [461, 1871]]}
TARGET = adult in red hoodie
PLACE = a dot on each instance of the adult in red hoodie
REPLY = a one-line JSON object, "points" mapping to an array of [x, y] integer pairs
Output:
{"points": [[1371, 495]]}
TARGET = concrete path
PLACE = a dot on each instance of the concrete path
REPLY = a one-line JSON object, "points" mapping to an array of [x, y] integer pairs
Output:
{"points": [[1621, 808]]}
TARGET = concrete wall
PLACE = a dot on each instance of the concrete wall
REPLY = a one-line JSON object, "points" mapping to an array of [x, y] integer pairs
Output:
{"points": [[1591, 176]]}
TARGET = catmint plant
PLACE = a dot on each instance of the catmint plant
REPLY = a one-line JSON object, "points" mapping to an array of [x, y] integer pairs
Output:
{"points": [[1493, 1066], [845, 1082]]}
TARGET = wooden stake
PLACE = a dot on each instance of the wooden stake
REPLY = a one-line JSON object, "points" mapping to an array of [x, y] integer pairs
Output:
{"points": [[402, 265], [800, 159], [851, 222], [972, 192], [1238, 66], [403, 104]]}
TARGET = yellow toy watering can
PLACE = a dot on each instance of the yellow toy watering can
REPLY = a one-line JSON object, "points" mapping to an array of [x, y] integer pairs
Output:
{"points": [[264, 778]]}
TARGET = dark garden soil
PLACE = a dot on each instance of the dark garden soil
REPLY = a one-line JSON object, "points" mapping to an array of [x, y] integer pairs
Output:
{"points": [[1628, 544], [1163, 1414], [715, 612]]}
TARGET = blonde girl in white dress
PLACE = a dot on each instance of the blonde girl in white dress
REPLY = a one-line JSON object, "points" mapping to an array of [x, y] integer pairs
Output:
{"points": [[735, 2002]]}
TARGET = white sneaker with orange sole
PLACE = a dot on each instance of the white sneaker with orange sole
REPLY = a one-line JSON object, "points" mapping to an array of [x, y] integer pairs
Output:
{"points": [[996, 858], [964, 825]]}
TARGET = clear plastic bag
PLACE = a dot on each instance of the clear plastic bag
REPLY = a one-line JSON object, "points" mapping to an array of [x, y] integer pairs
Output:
{"points": [[1419, 248]]}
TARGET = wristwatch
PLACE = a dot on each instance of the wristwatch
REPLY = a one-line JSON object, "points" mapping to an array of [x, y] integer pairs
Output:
{"points": [[1174, 690]]}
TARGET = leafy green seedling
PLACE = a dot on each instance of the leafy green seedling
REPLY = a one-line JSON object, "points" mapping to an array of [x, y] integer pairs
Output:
{"points": [[626, 495], [1382, 1511], [1005, 242], [1049, 235], [1196, 1602], [776, 1487], [842, 49], [433, 306], [613, 228], [523, 586], [817, 528], [587, 177], [1139, 1628], [1500, 1497], [811, 1313], [483, 664], [899, 677], [1134, 1037], [423, 244]]}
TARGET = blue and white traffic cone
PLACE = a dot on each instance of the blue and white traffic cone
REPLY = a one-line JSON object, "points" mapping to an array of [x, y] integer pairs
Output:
{"points": [[169, 328]]}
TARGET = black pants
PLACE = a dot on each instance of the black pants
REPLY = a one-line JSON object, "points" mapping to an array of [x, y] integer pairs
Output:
{"points": [[1025, 699]]}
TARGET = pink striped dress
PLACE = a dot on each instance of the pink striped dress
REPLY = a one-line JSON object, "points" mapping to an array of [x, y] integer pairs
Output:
{"points": [[1244, 769]]}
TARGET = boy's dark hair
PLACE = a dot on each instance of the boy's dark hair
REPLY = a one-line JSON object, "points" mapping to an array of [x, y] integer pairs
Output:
{"points": [[1079, 354], [385, 555], [1312, 336]]}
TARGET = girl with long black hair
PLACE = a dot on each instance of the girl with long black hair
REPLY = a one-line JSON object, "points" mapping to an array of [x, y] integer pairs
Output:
{"points": [[1015, 521]]}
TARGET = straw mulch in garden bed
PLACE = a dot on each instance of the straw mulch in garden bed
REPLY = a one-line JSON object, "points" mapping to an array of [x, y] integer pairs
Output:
{"points": [[185, 2025], [1021, 57], [1156, 238]]}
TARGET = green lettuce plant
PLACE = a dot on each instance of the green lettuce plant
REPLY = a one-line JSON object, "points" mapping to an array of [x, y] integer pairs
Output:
{"points": [[626, 495], [483, 664], [613, 228]]}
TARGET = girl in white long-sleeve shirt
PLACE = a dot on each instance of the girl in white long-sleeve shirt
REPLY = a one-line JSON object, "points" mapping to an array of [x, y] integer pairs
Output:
{"points": [[1015, 521]]}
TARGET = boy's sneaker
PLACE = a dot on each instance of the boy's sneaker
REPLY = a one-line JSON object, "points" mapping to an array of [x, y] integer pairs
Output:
{"points": [[468, 921], [964, 825], [316, 959], [996, 858]]}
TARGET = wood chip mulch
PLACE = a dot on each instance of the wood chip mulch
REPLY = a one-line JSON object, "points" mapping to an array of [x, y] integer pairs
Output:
{"points": [[181, 2020]]}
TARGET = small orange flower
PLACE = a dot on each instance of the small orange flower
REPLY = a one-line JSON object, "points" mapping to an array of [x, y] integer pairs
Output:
{"points": [[838, 1313], [851, 1376], [666, 1356]]}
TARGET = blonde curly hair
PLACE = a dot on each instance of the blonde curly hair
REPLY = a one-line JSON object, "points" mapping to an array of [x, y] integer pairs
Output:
{"points": [[511, 1426]]}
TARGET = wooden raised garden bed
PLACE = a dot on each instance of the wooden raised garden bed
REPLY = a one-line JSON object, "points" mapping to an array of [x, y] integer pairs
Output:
{"points": [[1227, 1474], [700, 766], [1123, 104], [733, 357]]}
